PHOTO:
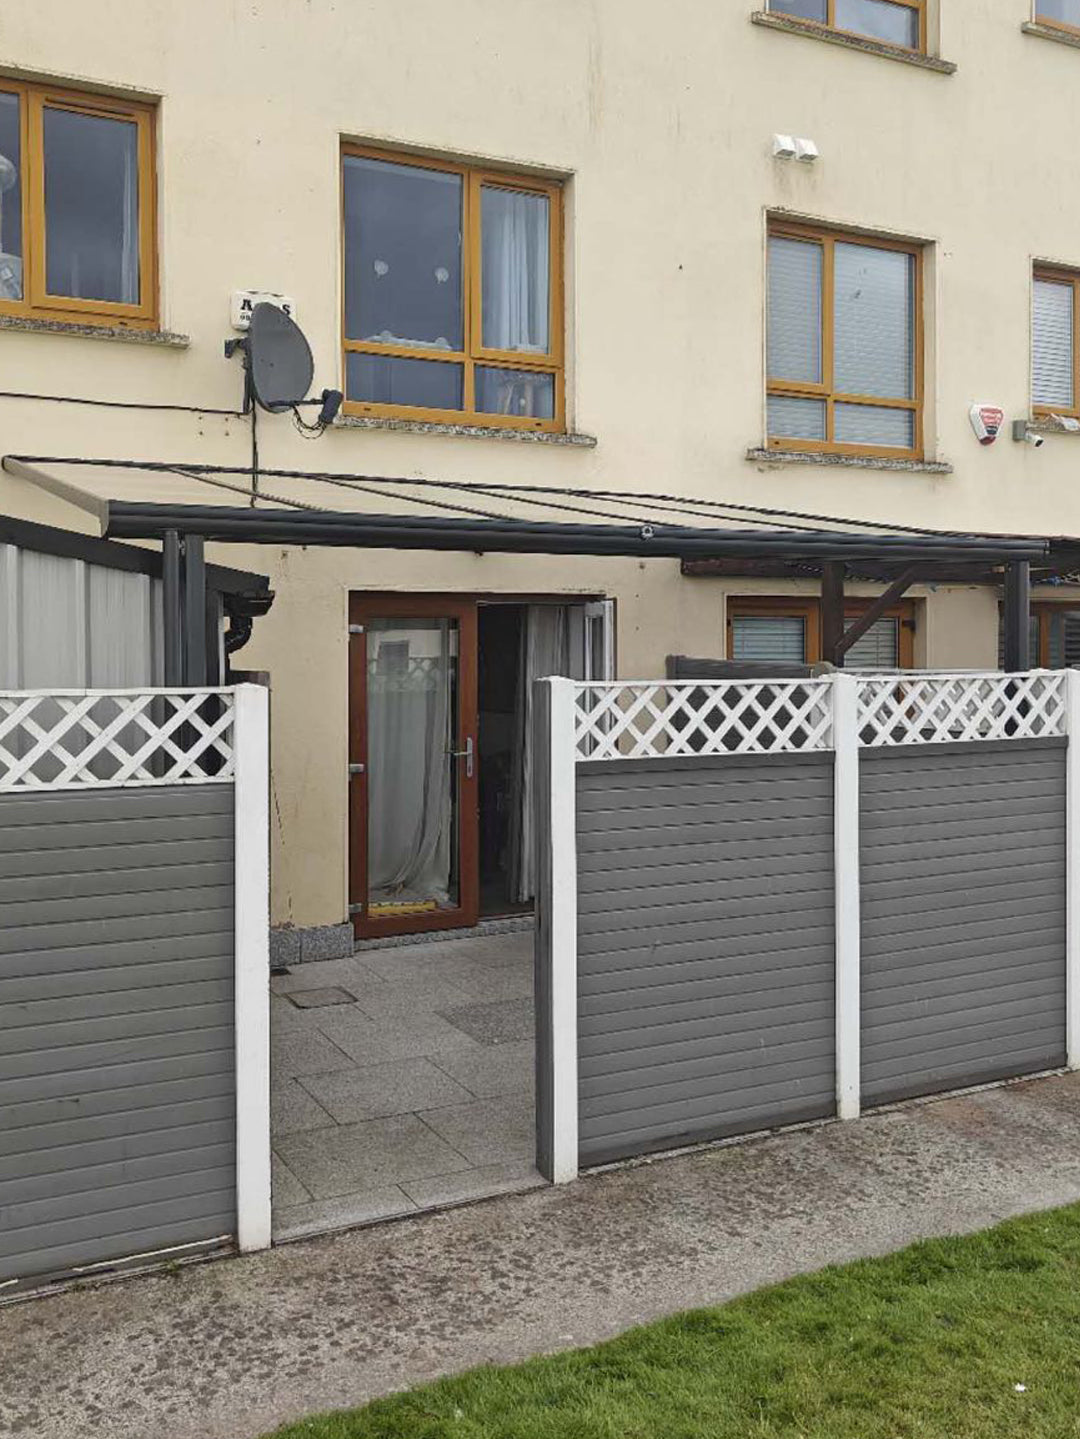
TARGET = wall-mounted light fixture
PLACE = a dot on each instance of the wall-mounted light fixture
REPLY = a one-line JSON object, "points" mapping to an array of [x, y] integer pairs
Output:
{"points": [[794, 147]]}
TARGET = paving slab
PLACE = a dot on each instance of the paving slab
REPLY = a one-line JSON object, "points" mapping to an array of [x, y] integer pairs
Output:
{"points": [[230, 1349], [292, 1109], [492, 1069], [488, 1131], [351, 1158], [507, 1021], [372, 1091]]}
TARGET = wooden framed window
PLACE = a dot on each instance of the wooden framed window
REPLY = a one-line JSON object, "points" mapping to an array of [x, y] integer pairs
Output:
{"points": [[766, 629], [1055, 342], [1054, 635], [1063, 14], [77, 203], [453, 307], [893, 22], [845, 343]]}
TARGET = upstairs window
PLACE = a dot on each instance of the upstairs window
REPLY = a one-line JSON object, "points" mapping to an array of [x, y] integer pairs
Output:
{"points": [[844, 349], [453, 293], [1055, 351], [892, 22], [1065, 14], [76, 207]]}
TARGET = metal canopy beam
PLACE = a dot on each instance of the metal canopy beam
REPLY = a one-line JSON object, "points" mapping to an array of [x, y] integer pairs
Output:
{"points": [[135, 520], [832, 612]]}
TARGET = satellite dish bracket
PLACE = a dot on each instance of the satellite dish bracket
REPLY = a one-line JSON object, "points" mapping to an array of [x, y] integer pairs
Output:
{"points": [[240, 347], [278, 368]]}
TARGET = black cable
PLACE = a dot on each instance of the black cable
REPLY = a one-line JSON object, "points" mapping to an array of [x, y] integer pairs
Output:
{"points": [[254, 454], [120, 404]]}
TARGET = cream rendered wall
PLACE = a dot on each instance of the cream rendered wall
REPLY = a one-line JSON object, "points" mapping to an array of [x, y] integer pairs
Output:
{"points": [[663, 131]]}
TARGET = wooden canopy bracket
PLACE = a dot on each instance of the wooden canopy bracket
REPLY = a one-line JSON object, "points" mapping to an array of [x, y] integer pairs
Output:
{"points": [[873, 612]]}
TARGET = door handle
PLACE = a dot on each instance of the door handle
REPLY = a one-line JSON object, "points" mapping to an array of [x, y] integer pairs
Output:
{"points": [[466, 754]]}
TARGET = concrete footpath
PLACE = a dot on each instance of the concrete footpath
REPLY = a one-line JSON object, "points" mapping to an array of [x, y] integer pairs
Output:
{"points": [[230, 1349]]}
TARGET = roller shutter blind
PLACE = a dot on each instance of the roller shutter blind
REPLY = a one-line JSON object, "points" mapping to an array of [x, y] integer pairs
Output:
{"points": [[1052, 333], [878, 648], [769, 638]]}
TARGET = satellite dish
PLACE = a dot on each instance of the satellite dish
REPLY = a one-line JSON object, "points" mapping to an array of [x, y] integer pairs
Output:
{"points": [[279, 359]]}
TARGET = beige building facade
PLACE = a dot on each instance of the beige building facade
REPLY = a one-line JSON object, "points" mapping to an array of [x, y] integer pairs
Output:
{"points": [[652, 142]]}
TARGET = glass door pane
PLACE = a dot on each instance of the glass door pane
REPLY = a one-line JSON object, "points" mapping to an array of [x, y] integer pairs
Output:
{"points": [[413, 789]]}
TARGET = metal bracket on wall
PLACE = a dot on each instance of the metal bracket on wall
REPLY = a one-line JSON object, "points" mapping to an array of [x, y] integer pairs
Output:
{"points": [[356, 769], [356, 629]]}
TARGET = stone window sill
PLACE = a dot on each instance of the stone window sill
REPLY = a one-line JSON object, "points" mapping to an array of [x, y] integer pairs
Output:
{"points": [[1047, 425], [1051, 32], [848, 462], [476, 432], [162, 338], [791, 26]]}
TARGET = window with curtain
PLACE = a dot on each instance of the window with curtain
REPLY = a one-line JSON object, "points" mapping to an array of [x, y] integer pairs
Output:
{"points": [[893, 22], [844, 369], [1055, 351], [1063, 13], [453, 308], [76, 207]]}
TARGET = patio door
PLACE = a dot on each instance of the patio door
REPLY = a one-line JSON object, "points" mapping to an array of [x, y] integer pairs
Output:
{"points": [[412, 763]]}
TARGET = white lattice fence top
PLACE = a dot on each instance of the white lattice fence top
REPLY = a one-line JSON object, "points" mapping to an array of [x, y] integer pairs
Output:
{"points": [[68, 739], [934, 709], [668, 718]]}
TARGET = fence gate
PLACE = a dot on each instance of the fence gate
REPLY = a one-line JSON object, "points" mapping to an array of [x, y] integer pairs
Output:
{"points": [[132, 1006], [761, 902]]}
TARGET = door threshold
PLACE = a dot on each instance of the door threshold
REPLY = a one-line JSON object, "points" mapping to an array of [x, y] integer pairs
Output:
{"points": [[512, 924]]}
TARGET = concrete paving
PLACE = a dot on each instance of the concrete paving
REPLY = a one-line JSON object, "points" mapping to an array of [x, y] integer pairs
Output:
{"points": [[402, 1079], [228, 1350]]}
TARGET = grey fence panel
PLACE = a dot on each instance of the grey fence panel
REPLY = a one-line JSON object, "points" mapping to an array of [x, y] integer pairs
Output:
{"points": [[705, 948], [963, 914], [117, 1053]]}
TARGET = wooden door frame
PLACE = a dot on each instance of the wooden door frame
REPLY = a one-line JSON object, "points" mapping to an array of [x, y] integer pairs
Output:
{"points": [[808, 609], [363, 607]]}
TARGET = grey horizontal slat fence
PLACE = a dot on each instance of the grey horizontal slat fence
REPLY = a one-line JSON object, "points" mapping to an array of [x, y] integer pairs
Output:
{"points": [[705, 963], [766, 901], [963, 889], [117, 1025]]}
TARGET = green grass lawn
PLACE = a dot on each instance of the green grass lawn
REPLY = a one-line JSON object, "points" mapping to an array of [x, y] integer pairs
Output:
{"points": [[930, 1343]]}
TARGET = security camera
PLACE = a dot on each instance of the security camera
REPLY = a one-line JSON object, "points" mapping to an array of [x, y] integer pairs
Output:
{"points": [[1034, 438], [1024, 434]]}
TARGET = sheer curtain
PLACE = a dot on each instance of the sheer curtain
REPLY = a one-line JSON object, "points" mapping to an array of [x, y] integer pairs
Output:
{"points": [[409, 740], [546, 649], [515, 270]]}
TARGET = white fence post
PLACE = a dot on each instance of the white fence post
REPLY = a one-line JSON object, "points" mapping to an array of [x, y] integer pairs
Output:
{"points": [[1072, 869], [252, 948], [562, 821], [845, 698]]}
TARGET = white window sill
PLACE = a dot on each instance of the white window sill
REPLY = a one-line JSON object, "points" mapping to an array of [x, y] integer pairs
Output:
{"points": [[791, 26], [162, 338], [848, 462], [1051, 32], [476, 432]]}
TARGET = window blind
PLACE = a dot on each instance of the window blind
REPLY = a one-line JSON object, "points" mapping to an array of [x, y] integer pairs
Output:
{"points": [[1052, 341], [794, 322], [768, 639], [875, 322], [877, 649]]}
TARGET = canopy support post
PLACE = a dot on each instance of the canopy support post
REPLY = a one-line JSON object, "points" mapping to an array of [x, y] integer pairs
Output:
{"points": [[1017, 616]]}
